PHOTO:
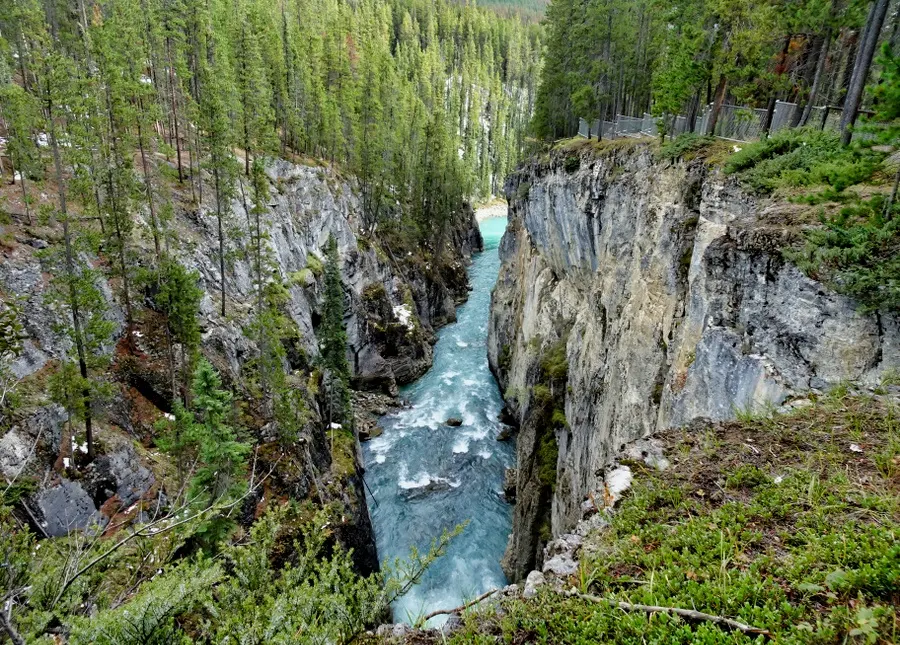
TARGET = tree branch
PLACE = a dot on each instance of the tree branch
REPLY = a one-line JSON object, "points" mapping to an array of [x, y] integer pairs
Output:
{"points": [[461, 608], [687, 614], [6, 616]]}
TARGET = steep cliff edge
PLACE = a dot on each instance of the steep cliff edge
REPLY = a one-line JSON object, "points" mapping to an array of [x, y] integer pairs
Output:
{"points": [[394, 301], [666, 286]]}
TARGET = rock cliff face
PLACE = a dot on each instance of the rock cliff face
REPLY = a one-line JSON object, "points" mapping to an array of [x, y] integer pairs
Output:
{"points": [[668, 287], [393, 306]]}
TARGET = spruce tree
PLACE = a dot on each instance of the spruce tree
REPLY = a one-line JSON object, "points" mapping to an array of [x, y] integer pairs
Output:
{"points": [[179, 300], [221, 457], [333, 338]]}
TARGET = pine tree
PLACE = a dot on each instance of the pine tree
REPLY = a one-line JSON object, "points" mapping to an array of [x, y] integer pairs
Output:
{"points": [[214, 111], [333, 338], [221, 457], [179, 299], [21, 113]]}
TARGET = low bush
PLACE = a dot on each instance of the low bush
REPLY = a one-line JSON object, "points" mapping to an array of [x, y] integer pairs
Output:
{"points": [[802, 157], [856, 252], [684, 146]]}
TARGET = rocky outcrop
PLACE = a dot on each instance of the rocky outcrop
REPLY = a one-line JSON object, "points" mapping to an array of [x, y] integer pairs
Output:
{"points": [[668, 287], [395, 300]]}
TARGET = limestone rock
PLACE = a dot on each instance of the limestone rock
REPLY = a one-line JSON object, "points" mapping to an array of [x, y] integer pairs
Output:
{"points": [[668, 284], [534, 581]]}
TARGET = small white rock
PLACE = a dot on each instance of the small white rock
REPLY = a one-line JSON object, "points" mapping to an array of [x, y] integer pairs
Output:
{"points": [[534, 580], [561, 565]]}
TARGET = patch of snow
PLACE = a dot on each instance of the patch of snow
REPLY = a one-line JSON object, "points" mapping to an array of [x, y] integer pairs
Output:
{"points": [[336, 426], [65, 462], [617, 482], [403, 314]]}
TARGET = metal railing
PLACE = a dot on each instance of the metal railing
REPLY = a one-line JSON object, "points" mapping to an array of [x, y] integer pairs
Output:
{"points": [[735, 122]]}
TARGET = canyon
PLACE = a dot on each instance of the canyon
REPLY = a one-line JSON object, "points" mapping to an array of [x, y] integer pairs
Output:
{"points": [[393, 306]]}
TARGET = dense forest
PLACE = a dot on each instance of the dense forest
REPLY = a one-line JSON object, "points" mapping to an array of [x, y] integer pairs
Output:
{"points": [[378, 87], [609, 57]]}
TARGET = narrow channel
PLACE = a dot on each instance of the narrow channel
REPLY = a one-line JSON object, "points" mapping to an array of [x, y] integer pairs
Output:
{"points": [[426, 476]]}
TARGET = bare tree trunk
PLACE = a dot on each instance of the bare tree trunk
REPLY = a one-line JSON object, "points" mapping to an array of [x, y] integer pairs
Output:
{"points": [[817, 79], [717, 105], [864, 61]]}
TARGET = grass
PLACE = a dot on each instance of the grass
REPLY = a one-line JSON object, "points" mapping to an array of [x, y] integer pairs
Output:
{"points": [[790, 523]]}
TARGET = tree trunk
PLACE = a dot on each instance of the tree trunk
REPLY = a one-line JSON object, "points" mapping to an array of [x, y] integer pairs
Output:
{"points": [[221, 236], [767, 119], [779, 71], [148, 185], [864, 61], [70, 274], [119, 212], [174, 102], [717, 105]]}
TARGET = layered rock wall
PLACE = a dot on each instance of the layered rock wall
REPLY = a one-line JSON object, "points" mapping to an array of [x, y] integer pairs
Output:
{"points": [[668, 286]]}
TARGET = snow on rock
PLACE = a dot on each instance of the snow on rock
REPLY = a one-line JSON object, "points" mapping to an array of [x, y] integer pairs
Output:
{"points": [[404, 315], [617, 482]]}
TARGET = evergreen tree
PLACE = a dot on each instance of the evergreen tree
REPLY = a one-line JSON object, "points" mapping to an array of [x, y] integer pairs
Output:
{"points": [[206, 433], [20, 111], [333, 338], [179, 299]]}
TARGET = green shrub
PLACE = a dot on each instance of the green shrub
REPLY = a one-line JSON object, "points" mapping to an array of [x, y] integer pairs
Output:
{"points": [[856, 253], [684, 146], [547, 455], [802, 158], [315, 265]]}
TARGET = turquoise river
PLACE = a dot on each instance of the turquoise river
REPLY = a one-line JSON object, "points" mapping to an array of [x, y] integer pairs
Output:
{"points": [[426, 476]]}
